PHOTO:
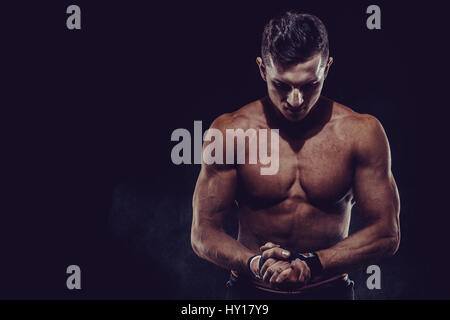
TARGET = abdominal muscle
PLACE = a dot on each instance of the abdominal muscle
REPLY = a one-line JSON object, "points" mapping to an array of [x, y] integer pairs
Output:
{"points": [[294, 223]]}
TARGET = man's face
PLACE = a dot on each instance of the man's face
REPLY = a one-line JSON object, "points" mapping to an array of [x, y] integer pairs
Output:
{"points": [[294, 90]]}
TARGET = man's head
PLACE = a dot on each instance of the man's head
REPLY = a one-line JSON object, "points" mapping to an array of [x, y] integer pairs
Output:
{"points": [[294, 62]]}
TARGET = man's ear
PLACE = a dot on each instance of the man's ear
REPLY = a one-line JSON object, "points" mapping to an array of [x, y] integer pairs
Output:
{"points": [[329, 63], [262, 68]]}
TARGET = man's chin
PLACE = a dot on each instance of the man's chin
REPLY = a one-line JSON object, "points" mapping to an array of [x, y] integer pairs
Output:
{"points": [[294, 117]]}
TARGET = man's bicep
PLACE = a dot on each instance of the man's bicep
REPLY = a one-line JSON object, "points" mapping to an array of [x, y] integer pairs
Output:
{"points": [[214, 194], [375, 189], [216, 185]]}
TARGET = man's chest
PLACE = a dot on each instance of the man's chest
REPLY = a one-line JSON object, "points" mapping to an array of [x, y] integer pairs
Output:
{"points": [[318, 169]]}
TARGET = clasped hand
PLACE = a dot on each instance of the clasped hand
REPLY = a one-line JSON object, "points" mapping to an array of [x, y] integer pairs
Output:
{"points": [[278, 269]]}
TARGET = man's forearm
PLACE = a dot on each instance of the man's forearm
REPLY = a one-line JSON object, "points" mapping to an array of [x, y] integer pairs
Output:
{"points": [[365, 246], [219, 248]]}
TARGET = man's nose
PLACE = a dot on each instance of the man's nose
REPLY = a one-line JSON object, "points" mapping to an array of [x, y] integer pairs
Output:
{"points": [[295, 98]]}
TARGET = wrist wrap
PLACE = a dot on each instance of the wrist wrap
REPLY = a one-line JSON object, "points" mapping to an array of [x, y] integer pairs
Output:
{"points": [[258, 276]]}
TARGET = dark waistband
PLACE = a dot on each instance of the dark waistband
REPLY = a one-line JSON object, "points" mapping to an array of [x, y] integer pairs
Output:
{"points": [[261, 285]]}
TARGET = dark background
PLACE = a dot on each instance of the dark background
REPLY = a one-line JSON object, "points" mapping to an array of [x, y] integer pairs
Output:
{"points": [[88, 115]]}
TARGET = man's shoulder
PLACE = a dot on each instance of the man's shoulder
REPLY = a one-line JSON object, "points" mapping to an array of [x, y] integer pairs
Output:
{"points": [[362, 131], [350, 122], [248, 116]]}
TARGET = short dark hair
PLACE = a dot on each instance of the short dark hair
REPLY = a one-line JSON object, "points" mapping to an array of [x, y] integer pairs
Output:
{"points": [[292, 38]]}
